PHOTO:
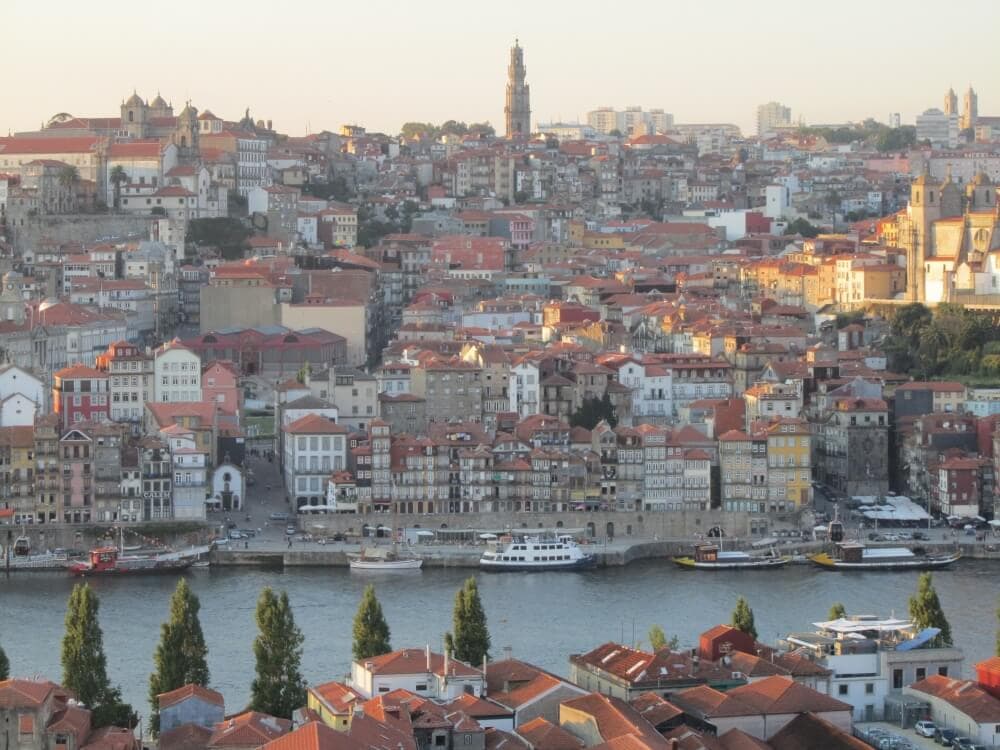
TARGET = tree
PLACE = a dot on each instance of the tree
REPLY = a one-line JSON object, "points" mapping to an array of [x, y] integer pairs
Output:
{"points": [[926, 612], [85, 666], [371, 631], [592, 410], [228, 234], [658, 640], [837, 611], [469, 640], [4, 665], [743, 618], [69, 176], [180, 657], [802, 227], [278, 688], [117, 176]]}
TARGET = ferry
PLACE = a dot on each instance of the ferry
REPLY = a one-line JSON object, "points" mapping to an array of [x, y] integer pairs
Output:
{"points": [[535, 553], [711, 557], [20, 557], [856, 556], [110, 561]]}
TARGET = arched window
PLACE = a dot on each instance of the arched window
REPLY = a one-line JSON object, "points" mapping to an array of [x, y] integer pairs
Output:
{"points": [[131, 116]]}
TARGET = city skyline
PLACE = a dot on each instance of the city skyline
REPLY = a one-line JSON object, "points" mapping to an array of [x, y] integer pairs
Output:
{"points": [[407, 70]]}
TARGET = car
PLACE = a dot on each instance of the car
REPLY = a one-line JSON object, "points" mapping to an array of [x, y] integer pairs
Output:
{"points": [[873, 537], [248, 533], [235, 534], [944, 736], [290, 529], [905, 536], [230, 524], [920, 536], [964, 743], [278, 516], [925, 728]]}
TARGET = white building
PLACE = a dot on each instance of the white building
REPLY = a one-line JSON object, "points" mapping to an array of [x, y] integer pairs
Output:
{"points": [[652, 390], [190, 475], [421, 671], [228, 487], [314, 447], [777, 199], [177, 374], [16, 380], [962, 705], [130, 381], [525, 392], [772, 116], [937, 127]]}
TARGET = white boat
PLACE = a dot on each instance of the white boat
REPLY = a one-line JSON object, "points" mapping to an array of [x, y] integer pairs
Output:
{"points": [[535, 553], [19, 557], [383, 558], [710, 557]]}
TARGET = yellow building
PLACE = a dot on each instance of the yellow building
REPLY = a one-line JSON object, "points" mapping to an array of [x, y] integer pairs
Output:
{"points": [[334, 703], [603, 241], [17, 445], [789, 464]]}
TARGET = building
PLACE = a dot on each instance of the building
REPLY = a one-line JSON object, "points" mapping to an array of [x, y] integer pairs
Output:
{"points": [[517, 109], [176, 374], [771, 117], [420, 671], [80, 394], [970, 110], [130, 380], [962, 705], [852, 446], [528, 692], [190, 704], [938, 127], [315, 446], [451, 389]]}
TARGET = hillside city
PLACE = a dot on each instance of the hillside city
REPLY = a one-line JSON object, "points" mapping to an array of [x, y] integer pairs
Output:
{"points": [[631, 328]]}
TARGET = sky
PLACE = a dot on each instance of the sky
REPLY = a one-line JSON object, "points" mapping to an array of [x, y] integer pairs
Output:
{"points": [[311, 65]]}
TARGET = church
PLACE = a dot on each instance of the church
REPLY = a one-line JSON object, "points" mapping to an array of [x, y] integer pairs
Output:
{"points": [[951, 235]]}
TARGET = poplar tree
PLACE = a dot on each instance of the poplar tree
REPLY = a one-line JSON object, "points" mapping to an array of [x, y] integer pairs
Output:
{"points": [[926, 612], [181, 655], [85, 666], [4, 665], [371, 631], [469, 640], [743, 618], [278, 687], [837, 611]]}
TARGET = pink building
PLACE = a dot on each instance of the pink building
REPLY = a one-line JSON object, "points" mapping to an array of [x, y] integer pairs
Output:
{"points": [[220, 385], [479, 253]]}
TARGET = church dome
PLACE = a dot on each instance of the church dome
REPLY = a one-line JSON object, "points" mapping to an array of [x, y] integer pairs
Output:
{"points": [[981, 179], [135, 101], [189, 112], [158, 103]]}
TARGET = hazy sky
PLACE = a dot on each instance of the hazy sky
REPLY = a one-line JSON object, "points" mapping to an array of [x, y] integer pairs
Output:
{"points": [[310, 65]]}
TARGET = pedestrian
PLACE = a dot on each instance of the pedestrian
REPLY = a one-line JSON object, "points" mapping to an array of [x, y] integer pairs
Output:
{"points": [[289, 542], [246, 544]]}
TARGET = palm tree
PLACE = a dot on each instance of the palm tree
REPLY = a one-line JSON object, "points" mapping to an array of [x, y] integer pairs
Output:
{"points": [[117, 176], [68, 178]]}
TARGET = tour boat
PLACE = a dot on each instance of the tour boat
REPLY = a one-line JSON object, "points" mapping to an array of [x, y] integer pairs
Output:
{"points": [[855, 556], [19, 557], [383, 558], [109, 561], [535, 553], [711, 557]]}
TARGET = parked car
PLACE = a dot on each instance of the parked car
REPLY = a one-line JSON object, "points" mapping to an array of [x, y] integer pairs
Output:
{"points": [[925, 728], [235, 534], [964, 743], [945, 736], [290, 529], [920, 536], [248, 533], [278, 516]]}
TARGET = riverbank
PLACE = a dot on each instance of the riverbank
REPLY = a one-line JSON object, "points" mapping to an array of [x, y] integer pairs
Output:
{"points": [[609, 555]]}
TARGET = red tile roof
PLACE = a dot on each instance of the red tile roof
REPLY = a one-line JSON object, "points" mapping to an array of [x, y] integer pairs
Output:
{"points": [[188, 691], [964, 695], [542, 734], [414, 661], [249, 729], [315, 424]]}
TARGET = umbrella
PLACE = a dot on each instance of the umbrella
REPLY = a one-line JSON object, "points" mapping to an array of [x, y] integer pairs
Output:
{"points": [[487, 536], [425, 533]]}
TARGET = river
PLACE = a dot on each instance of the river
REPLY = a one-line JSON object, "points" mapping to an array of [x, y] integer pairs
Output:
{"points": [[543, 617]]}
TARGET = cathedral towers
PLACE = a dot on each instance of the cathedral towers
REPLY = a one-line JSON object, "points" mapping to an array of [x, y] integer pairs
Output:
{"points": [[517, 111]]}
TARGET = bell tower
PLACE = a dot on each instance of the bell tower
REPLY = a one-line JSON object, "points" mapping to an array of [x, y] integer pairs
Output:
{"points": [[923, 211]]}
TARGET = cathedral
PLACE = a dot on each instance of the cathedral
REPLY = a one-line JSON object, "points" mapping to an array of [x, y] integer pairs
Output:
{"points": [[951, 237]]}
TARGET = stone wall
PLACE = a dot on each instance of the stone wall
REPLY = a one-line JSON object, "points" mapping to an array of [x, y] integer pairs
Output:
{"points": [[78, 228]]}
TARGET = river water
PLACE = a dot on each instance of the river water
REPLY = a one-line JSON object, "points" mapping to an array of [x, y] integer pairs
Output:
{"points": [[543, 617]]}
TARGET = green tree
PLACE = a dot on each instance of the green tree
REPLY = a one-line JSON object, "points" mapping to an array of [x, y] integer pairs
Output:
{"points": [[4, 665], [69, 176], [658, 640], [85, 666], [181, 656], [592, 410], [278, 688], [802, 228], [371, 631], [117, 176], [926, 612], [227, 234], [837, 611], [743, 618], [469, 640]]}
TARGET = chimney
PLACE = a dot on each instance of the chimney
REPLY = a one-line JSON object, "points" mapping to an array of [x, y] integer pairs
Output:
{"points": [[427, 651], [484, 674], [674, 744]]}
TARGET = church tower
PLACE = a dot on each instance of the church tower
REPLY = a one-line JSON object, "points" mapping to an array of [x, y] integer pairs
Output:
{"points": [[923, 211], [134, 114], [185, 135], [951, 102], [970, 110], [517, 111], [981, 193]]}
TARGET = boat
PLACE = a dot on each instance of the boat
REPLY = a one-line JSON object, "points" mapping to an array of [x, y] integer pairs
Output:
{"points": [[20, 557], [856, 556], [711, 557], [110, 561], [535, 553], [383, 558], [201, 565]]}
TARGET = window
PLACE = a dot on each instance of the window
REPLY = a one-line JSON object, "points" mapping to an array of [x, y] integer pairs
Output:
{"points": [[897, 679], [943, 671], [921, 673], [421, 686], [841, 689], [869, 688]]}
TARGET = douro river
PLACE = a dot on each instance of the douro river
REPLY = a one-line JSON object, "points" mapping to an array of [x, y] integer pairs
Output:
{"points": [[543, 617]]}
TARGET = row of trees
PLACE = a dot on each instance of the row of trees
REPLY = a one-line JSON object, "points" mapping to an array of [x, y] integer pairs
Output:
{"points": [[951, 341], [876, 134], [430, 131]]}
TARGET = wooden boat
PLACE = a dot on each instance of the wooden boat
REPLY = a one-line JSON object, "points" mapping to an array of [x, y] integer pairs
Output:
{"points": [[711, 557], [856, 556], [20, 557], [380, 558]]}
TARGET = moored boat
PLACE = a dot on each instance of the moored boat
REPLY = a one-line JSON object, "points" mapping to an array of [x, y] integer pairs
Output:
{"points": [[109, 561], [710, 557], [20, 557], [378, 558], [535, 553], [856, 556]]}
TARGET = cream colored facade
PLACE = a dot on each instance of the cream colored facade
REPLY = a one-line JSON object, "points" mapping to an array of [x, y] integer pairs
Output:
{"points": [[349, 321]]}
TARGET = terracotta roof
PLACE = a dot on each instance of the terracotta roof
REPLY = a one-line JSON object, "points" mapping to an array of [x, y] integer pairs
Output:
{"points": [[614, 717], [964, 695], [414, 661], [249, 729], [72, 720], [112, 738], [542, 734], [314, 736], [188, 691], [185, 737], [24, 693], [783, 695], [313, 424], [78, 372], [654, 709], [807, 730], [497, 739]]}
